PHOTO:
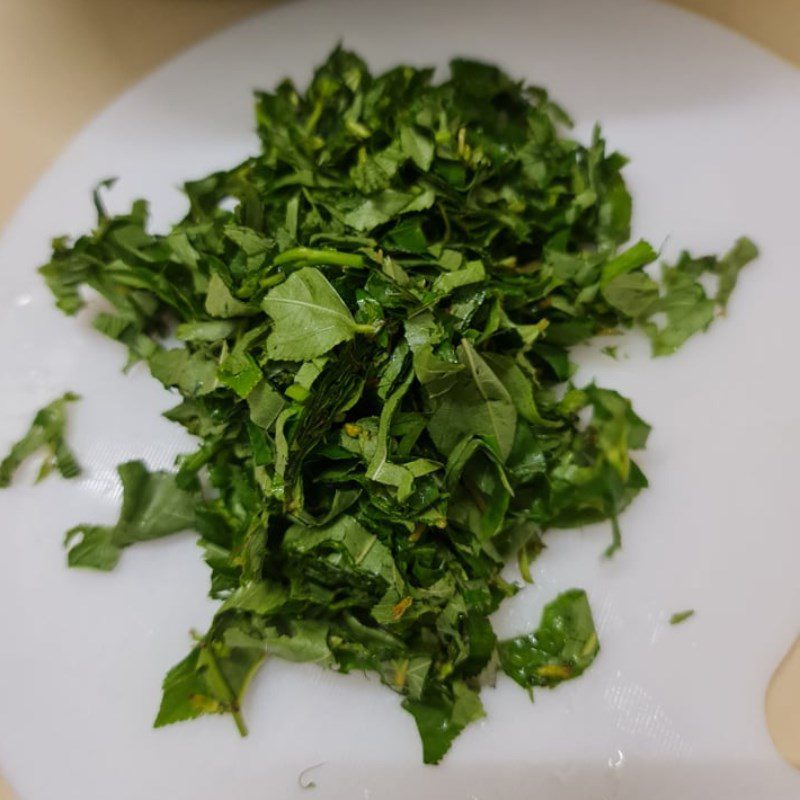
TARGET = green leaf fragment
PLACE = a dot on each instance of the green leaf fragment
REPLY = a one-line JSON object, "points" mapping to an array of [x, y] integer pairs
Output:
{"points": [[153, 506], [309, 317], [563, 646], [47, 432], [681, 616], [441, 715]]}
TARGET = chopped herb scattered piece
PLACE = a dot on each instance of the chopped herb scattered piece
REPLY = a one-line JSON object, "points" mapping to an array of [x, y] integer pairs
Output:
{"points": [[153, 506], [371, 343], [681, 616], [563, 647], [48, 433]]}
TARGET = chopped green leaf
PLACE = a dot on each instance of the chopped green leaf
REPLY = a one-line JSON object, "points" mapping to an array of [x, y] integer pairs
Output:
{"points": [[47, 432], [681, 616], [371, 323], [308, 315], [564, 645], [152, 506], [441, 715]]}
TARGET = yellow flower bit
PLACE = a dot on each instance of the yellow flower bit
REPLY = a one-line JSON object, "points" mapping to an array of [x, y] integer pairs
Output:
{"points": [[400, 673], [352, 430], [400, 608], [590, 646], [554, 671], [206, 705], [416, 534]]}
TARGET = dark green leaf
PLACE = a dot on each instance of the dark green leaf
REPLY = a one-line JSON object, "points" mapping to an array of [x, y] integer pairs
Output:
{"points": [[47, 432], [563, 646], [152, 506]]}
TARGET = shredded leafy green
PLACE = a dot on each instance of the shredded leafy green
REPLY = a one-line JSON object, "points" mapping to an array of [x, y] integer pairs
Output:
{"points": [[47, 432], [369, 328]]}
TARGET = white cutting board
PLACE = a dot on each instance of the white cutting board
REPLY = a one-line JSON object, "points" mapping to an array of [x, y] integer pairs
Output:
{"points": [[712, 124]]}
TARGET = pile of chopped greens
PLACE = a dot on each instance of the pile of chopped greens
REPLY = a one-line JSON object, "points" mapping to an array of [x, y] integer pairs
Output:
{"points": [[369, 325]]}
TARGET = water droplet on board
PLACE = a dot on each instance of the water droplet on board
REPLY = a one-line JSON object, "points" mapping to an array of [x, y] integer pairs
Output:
{"points": [[782, 706], [617, 761]]}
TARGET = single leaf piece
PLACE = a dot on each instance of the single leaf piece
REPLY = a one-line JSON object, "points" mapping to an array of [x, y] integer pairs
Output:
{"points": [[265, 404], [47, 432], [153, 506], [221, 303], [185, 694], [479, 488], [563, 646], [416, 146], [476, 405], [345, 545], [387, 205], [306, 640], [729, 267], [472, 272], [309, 317], [632, 293], [193, 374], [441, 714]]}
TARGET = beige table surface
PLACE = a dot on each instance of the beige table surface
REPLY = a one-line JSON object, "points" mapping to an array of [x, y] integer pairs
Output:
{"points": [[63, 60]]}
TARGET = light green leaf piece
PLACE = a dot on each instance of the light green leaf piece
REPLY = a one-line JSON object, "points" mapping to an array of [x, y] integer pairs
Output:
{"points": [[222, 304], [212, 679], [307, 640], [205, 330], [423, 330], [309, 318], [265, 404], [632, 293], [259, 597], [471, 272], [387, 205], [687, 310], [184, 693], [253, 244], [417, 147], [193, 374], [240, 372]]}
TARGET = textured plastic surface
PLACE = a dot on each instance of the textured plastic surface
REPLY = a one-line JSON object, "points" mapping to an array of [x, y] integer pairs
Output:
{"points": [[712, 125]]}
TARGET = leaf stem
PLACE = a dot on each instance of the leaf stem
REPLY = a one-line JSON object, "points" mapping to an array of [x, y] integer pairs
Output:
{"points": [[231, 700], [239, 720], [366, 328], [310, 255]]}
